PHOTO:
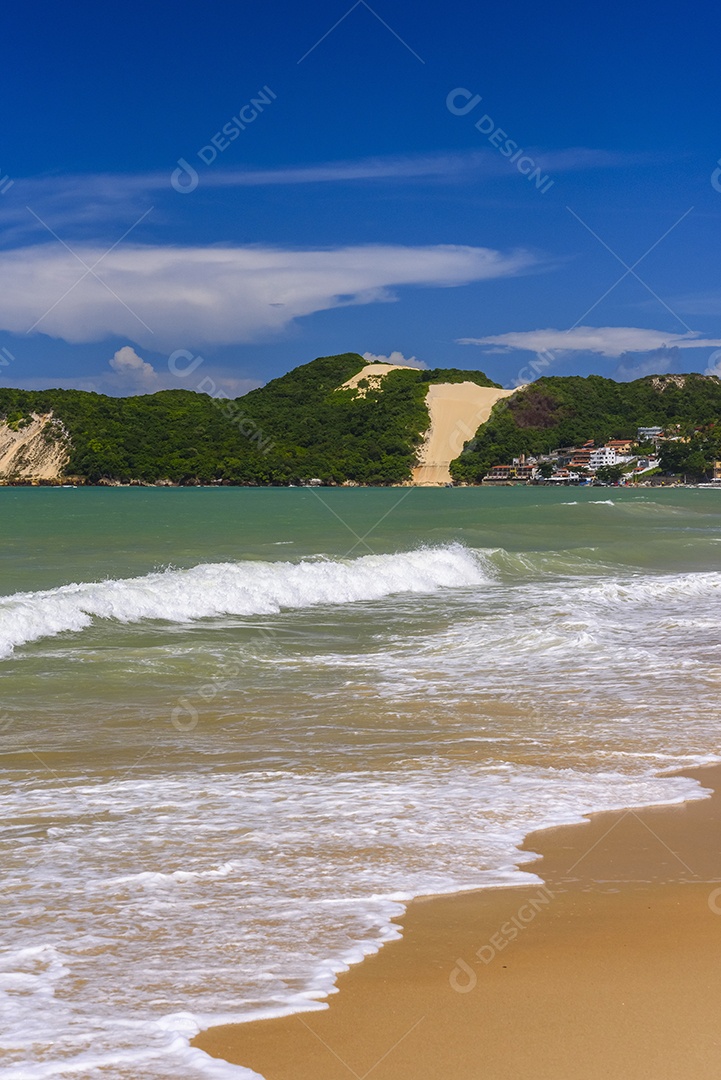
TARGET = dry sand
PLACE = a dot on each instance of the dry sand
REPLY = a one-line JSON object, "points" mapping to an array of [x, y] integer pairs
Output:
{"points": [[457, 410], [613, 970], [27, 454], [374, 374]]}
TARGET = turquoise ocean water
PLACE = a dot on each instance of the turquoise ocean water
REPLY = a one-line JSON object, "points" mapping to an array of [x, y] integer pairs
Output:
{"points": [[241, 728]]}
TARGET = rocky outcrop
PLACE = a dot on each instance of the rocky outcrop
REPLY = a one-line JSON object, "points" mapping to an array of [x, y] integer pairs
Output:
{"points": [[33, 449], [662, 382]]}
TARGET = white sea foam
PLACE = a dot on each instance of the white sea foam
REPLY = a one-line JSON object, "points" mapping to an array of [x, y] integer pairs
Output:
{"points": [[588, 502], [241, 588], [320, 867], [146, 904], [649, 589]]}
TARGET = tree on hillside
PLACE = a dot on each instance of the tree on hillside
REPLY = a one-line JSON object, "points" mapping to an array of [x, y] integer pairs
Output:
{"points": [[609, 474]]}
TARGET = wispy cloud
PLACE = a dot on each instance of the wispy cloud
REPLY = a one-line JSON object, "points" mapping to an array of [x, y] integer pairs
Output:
{"points": [[703, 304], [610, 341], [170, 297], [444, 166], [411, 167], [82, 200]]}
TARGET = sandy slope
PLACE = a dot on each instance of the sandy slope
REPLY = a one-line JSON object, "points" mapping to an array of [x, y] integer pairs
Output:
{"points": [[28, 455], [374, 373], [457, 410]]}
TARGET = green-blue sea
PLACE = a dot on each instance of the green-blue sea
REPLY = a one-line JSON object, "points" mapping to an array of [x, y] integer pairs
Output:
{"points": [[241, 728]]}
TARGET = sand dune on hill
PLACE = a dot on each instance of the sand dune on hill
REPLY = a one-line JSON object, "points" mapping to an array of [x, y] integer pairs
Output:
{"points": [[374, 374], [456, 410]]}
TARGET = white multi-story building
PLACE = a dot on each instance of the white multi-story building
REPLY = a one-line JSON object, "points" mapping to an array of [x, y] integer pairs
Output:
{"points": [[646, 433], [601, 456]]}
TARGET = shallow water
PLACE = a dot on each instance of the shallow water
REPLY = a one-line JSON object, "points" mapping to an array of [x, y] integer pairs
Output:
{"points": [[241, 727]]}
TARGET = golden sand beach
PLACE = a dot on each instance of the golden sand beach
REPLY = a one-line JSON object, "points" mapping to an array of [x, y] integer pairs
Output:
{"points": [[610, 969]]}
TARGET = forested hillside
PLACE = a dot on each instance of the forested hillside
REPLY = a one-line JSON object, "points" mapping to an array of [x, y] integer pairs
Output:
{"points": [[569, 410], [297, 427], [304, 425]]}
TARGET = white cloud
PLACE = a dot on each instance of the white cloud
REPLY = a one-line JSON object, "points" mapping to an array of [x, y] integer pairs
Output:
{"points": [[395, 357], [132, 370], [714, 364], [611, 341], [206, 380], [656, 362], [170, 297], [130, 375]]}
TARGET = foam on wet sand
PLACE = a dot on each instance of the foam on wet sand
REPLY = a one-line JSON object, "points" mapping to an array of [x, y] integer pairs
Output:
{"points": [[609, 969]]}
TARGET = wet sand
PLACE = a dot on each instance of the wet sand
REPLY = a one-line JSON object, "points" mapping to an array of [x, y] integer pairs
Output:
{"points": [[611, 969]]}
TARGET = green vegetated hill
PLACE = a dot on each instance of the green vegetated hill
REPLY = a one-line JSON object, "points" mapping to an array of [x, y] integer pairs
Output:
{"points": [[302, 426], [295, 428], [561, 411]]}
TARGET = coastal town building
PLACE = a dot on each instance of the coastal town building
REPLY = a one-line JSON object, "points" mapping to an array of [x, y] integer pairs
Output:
{"points": [[649, 434], [601, 456], [621, 446], [562, 455], [581, 458], [499, 472], [565, 476], [574, 464], [644, 464], [511, 473]]}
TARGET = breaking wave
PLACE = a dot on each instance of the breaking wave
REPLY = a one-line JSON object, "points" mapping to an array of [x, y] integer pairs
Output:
{"points": [[241, 588]]}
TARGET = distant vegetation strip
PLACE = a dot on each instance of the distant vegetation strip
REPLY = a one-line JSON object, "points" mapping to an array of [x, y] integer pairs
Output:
{"points": [[559, 411], [302, 426], [297, 427]]}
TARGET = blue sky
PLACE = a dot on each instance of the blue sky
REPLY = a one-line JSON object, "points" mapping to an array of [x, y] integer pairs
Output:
{"points": [[370, 203]]}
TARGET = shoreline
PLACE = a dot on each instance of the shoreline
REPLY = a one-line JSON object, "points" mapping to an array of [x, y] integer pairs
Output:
{"points": [[79, 482], [607, 968]]}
